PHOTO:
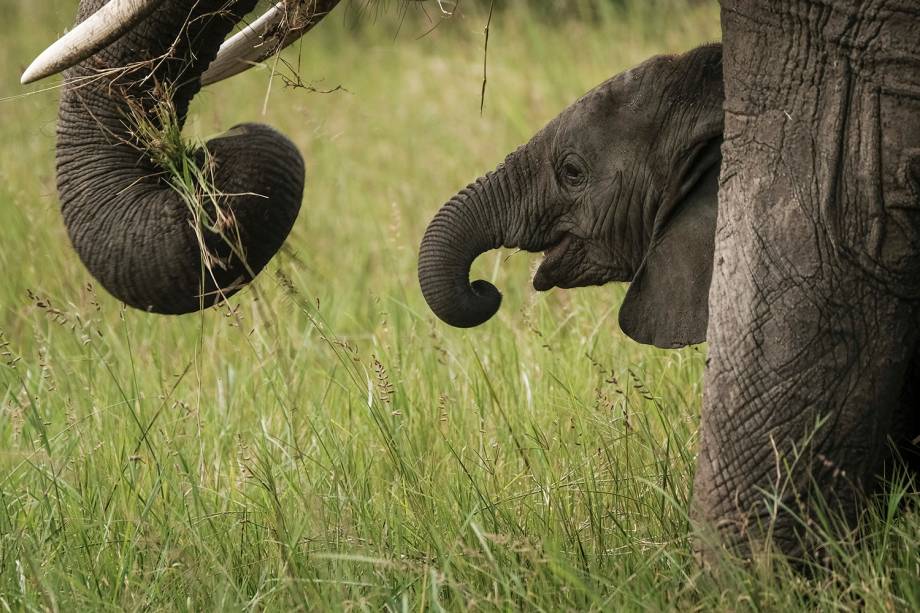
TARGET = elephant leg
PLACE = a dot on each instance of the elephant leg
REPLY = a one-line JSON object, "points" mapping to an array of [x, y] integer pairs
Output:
{"points": [[807, 405], [814, 297]]}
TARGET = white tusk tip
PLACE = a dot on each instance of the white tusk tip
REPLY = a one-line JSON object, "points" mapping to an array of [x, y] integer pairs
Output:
{"points": [[35, 72], [102, 28]]}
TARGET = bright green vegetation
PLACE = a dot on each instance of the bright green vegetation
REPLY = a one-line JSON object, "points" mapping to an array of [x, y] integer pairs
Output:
{"points": [[323, 442]]}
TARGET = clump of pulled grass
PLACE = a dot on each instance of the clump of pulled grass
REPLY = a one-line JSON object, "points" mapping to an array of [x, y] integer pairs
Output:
{"points": [[188, 167]]}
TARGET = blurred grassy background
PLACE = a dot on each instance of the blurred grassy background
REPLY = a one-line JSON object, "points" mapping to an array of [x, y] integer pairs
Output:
{"points": [[323, 441]]}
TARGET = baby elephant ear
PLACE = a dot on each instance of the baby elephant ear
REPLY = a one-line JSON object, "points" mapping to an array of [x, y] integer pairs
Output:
{"points": [[667, 304]]}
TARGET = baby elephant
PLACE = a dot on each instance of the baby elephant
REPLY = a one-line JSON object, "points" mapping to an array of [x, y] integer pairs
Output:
{"points": [[621, 186]]}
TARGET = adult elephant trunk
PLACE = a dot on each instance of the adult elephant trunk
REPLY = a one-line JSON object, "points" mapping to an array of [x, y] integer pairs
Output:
{"points": [[487, 214], [163, 227]]}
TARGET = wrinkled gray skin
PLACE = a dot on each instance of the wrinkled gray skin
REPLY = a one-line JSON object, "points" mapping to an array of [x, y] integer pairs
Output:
{"points": [[816, 275], [815, 298], [132, 230], [621, 186]]}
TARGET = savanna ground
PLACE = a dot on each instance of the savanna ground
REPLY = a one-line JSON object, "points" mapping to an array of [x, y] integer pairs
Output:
{"points": [[322, 442]]}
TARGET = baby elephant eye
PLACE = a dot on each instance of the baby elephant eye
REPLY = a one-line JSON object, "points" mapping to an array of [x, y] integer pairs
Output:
{"points": [[572, 173]]}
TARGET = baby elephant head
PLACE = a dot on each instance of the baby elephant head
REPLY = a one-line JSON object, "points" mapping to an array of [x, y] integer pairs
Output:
{"points": [[621, 186]]}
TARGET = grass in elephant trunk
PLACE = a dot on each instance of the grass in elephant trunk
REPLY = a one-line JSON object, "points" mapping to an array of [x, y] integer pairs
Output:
{"points": [[189, 167]]}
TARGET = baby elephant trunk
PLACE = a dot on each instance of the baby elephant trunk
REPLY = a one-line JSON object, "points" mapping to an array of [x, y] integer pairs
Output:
{"points": [[467, 226]]}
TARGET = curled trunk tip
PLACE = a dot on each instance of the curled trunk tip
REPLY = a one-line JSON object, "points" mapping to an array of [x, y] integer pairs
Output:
{"points": [[463, 229]]}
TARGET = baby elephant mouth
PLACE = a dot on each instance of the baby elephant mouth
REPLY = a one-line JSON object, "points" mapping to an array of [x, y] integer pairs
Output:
{"points": [[560, 265]]}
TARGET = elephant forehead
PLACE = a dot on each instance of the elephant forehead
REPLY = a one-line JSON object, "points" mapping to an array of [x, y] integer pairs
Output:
{"points": [[609, 114], [620, 90]]}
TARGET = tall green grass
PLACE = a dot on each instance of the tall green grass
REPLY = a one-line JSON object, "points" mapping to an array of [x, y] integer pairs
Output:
{"points": [[322, 442]]}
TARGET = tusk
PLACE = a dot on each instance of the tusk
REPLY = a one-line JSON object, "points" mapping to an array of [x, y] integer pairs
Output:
{"points": [[94, 33], [279, 27], [246, 47]]}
